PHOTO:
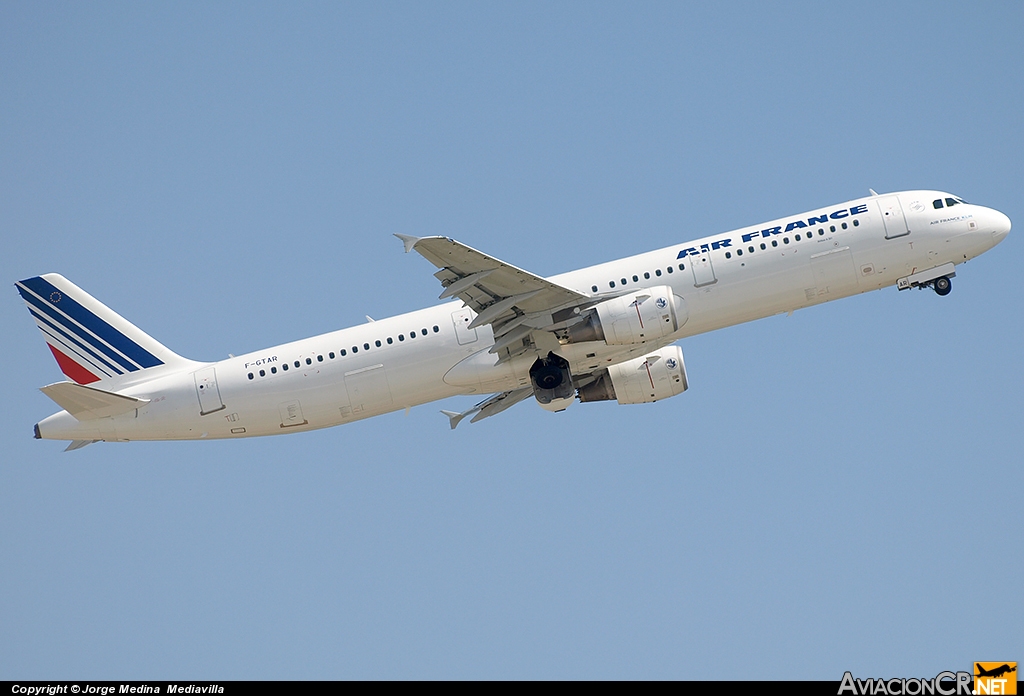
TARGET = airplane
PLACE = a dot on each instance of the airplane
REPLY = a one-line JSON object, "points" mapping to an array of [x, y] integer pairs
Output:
{"points": [[607, 332], [995, 672]]}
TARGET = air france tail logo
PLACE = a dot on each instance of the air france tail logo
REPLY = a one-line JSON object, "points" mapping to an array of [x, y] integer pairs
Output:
{"points": [[770, 231], [85, 345]]}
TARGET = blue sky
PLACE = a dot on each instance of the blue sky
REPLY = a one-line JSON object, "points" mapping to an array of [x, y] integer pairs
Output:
{"points": [[834, 492]]}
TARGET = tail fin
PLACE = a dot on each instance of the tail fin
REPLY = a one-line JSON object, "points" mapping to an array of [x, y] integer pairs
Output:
{"points": [[90, 341]]}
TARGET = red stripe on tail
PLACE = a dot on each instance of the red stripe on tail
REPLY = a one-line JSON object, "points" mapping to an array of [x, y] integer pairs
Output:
{"points": [[73, 369]]}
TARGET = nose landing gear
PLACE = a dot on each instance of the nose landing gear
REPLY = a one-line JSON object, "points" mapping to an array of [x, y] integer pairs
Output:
{"points": [[942, 286]]}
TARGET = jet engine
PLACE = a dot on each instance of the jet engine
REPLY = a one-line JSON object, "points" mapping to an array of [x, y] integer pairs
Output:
{"points": [[552, 383], [641, 316], [642, 380]]}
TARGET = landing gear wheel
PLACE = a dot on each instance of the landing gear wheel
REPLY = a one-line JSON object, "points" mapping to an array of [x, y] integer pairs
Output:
{"points": [[943, 286]]}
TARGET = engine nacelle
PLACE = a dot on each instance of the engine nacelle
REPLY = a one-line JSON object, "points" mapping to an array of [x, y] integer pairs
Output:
{"points": [[642, 380], [552, 383], [639, 317]]}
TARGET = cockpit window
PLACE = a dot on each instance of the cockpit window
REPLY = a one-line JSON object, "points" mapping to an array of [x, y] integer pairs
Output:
{"points": [[937, 204], [950, 202]]}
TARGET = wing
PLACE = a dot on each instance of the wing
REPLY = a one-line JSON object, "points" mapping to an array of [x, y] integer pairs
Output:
{"points": [[523, 309], [516, 303], [491, 406]]}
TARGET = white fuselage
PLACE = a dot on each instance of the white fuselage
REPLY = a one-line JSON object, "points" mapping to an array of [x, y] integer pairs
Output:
{"points": [[423, 356]]}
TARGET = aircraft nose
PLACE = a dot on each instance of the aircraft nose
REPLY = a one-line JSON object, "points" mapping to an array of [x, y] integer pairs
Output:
{"points": [[1000, 225]]}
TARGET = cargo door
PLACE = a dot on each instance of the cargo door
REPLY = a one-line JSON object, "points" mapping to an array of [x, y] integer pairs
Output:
{"points": [[208, 391], [892, 216], [834, 273], [368, 390]]}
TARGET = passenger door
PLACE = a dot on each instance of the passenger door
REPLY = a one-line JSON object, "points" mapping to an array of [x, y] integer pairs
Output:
{"points": [[208, 391], [892, 217]]}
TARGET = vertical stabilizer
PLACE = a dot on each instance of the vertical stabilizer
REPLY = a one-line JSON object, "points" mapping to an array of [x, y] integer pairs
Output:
{"points": [[89, 340]]}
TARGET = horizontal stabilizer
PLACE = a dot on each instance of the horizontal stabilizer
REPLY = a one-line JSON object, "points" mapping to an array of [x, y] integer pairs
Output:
{"points": [[89, 403]]}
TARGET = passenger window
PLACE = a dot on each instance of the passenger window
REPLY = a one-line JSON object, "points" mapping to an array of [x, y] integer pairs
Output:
{"points": [[401, 337], [647, 276], [250, 375], [319, 358], [263, 373], [681, 267], [623, 281], [832, 228], [355, 349], [636, 279], [331, 355], [366, 346], [937, 204], [423, 332], [309, 361], [844, 225], [657, 272], [669, 269], [763, 247], [437, 330], [775, 242], [343, 354], [593, 289], [856, 223], [296, 363], [785, 240], [284, 366], [821, 232], [390, 340], [798, 238], [611, 283], [377, 343], [739, 252], [412, 334], [728, 255], [750, 249], [273, 370]]}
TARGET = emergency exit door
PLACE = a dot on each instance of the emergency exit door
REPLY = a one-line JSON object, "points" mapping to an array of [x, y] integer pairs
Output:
{"points": [[461, 319], [703, 271]]}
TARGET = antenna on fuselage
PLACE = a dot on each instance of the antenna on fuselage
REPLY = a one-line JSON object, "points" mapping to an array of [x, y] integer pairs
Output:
{"points": [[873, 192]]}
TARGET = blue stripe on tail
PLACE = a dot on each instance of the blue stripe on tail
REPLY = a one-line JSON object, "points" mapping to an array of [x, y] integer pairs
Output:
{"points": [[72, 339], [46, 309], [86, 318]]}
